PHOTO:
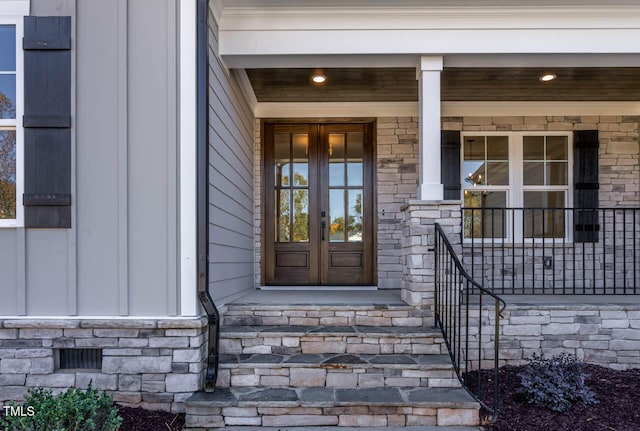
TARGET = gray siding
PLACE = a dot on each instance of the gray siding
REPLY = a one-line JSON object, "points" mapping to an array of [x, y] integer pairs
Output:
{"points": [[120, 257], [8, 265], [231, 182], [152, 157]]}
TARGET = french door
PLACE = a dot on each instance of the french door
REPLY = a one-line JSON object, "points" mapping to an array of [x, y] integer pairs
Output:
{"points": [[318, 204]]}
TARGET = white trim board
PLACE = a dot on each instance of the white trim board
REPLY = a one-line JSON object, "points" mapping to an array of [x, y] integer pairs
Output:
{"points": [[449, 109], [428, 17], [14, 7], [188, 231]]}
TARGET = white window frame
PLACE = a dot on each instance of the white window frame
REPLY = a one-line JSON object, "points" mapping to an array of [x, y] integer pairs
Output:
{"points": [[516, 187], [12, 13]]}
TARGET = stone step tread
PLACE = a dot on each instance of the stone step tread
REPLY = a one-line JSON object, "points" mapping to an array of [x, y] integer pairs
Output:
{"points": [[321, 307], [338, 428], [327, 331], [336, 360], [453, 398]]}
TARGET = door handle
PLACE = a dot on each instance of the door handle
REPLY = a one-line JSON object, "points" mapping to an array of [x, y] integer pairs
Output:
{"points": [[323, 225]]}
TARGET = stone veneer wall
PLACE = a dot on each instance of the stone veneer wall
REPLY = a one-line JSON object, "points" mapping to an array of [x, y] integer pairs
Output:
{"points": [[156, 364], [602, 334]]}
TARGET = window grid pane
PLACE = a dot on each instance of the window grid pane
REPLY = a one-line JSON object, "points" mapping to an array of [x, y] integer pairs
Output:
{"points": [[7, 173]]}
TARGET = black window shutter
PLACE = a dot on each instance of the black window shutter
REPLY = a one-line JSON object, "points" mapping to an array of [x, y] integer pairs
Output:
{"points": [[586, 186], [450, 164], [47, 122]]}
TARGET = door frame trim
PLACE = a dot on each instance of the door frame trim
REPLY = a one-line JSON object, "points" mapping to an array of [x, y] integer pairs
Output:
{"points": [[374, 191]]}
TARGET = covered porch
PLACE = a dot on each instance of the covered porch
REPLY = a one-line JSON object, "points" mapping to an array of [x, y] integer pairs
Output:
{"points": [[425, 107]]}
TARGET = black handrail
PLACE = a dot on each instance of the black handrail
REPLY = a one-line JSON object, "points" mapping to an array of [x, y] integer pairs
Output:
{"points": [[457, 294]]}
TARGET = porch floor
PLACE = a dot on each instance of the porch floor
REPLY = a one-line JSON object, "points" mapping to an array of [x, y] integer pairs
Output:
{"points": [[322, 297]]}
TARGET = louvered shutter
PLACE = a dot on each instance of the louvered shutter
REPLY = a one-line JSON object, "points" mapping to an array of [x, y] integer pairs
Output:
{"points": [[450, 164], [586, 186]]}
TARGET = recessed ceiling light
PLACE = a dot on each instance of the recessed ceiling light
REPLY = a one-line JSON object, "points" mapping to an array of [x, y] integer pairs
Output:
{"points": [[319, 78], [548, 77]]}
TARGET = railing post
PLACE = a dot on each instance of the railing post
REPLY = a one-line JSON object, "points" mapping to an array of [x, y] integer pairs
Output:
{"points": [[496, 359], [436, 292]]}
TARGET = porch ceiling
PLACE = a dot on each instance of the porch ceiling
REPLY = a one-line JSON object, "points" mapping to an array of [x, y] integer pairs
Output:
{"points": [[458, 84]]}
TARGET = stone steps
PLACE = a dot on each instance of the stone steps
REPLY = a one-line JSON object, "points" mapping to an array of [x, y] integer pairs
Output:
{"points": [[289, 340], [326, 314], [336, 370], [332, 366], [343, 407]]}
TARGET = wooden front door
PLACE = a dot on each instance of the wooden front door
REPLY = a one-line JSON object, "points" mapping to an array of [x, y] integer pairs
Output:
{"points": [[318, 204]]}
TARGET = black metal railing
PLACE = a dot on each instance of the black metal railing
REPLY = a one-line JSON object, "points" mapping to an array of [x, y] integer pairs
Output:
{"points": [[562, 251], [464, 310]]}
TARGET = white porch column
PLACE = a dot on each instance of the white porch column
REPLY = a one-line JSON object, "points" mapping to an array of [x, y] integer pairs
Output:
{"points": [[428, 74]]}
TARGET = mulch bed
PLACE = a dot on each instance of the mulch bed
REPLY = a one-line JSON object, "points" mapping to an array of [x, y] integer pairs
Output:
{"points": [[136, 419], [618, 407]]}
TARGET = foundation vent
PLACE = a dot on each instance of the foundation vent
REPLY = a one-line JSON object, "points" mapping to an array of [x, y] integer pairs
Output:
{"points": [[80, 358]]}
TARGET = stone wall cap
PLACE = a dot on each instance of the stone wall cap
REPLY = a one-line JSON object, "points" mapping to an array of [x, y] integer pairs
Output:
{"points": [[103, 323], [417, 202]]}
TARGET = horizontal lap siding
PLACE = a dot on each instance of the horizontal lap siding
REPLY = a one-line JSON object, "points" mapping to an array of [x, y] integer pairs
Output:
{"points": [[230, 182]]}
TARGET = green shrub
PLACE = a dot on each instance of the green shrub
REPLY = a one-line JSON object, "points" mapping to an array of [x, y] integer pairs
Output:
{"points": [[556, 383], [73, 410]]}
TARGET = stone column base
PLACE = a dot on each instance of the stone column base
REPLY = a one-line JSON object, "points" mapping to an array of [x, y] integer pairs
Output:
{"points": [[418, 224]]}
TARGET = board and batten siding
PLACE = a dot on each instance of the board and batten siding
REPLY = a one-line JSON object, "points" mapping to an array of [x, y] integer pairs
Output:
{"points": [[120, 257], [230, 181]]}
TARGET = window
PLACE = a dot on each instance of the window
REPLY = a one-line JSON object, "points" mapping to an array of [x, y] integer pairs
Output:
{"points": [[10, 133], [525, 171]]}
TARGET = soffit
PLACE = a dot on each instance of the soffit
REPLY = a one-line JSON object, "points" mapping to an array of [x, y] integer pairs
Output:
{"points": [[457, 84]]}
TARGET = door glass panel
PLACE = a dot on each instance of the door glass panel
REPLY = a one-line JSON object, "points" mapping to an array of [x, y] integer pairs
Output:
{"points": [[300, 160], [354, 174], [355, 216], [336, 216], [541, 222], [336, 174], [282, 152], [300, 174], [300, 216], [486, 219], [336, 146], [283, 214], [355, 146]]}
